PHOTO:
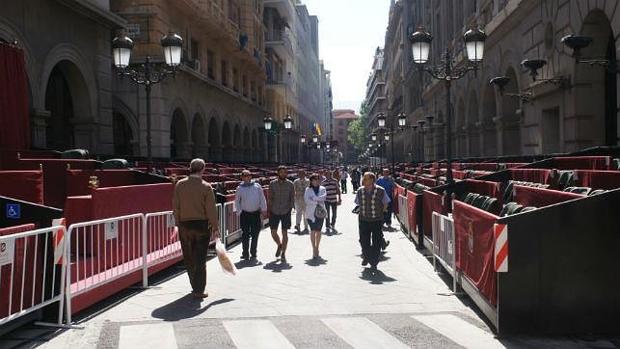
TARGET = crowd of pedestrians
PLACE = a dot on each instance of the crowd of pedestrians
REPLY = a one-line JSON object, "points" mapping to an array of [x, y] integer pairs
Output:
{"points": [[315, 199]]}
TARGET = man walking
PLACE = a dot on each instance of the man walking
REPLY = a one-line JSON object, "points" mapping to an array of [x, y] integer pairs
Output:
{"points": [[387, 183], [333, 199], [282, 201], [355, 179], [344, 175], [250, 204], [300, 185], [196, 217], [373, 201]]}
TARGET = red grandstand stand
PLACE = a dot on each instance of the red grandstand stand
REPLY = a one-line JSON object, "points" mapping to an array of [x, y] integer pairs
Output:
{"points": [[598, 179], [22, 185], [544, 176], [538, 197], [14, 111], [580, 163]]}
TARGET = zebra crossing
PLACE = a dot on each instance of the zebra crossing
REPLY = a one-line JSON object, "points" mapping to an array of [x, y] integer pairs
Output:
{"points": [[372, 331]]}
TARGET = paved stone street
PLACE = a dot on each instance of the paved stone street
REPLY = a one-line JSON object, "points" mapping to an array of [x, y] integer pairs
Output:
{"points": [[334, 304]]}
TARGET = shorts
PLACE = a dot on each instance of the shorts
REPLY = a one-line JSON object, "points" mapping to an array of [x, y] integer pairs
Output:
{"points": [[317, 225], [274, 221]]}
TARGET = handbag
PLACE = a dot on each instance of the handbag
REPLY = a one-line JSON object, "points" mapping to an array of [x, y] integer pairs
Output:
{"points": [[320, 212]]}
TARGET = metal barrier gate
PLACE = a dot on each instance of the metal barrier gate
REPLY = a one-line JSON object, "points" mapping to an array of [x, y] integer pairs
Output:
{"points": [[36, 277], [444, 251]]}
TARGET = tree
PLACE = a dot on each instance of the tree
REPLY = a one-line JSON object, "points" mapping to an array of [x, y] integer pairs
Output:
{"points": [[358, 135]]}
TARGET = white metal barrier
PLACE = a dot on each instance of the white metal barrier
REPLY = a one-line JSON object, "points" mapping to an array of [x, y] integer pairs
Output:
{"points": [[232, 223], [161, 241], [403, 212], [35, 280], [444, 245], [102, 251]]}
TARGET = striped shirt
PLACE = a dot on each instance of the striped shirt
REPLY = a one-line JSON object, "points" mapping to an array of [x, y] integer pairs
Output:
{"points": [[333, 190]]}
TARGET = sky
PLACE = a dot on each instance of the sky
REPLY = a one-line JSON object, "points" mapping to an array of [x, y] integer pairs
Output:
{"points": [[349, 33]]}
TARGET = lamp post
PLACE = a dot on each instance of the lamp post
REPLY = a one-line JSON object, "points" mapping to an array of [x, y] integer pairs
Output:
{"points": [[288, 125], [474, 46], [148, 73]]}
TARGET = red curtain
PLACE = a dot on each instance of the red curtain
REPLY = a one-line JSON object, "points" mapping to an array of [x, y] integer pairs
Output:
{"points": [[14, 118]]}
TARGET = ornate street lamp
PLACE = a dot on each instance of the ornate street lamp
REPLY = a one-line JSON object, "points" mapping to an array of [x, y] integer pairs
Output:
{"points": [[315, 138], [474, 45], [268, 122], [288, 122], [381, 120], [402, 120], [373, 137], [387, 137], [303, 139], [148, 73]]}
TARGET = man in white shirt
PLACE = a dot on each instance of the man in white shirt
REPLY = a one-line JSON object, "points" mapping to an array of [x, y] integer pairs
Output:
{"points": [[250, 204]]}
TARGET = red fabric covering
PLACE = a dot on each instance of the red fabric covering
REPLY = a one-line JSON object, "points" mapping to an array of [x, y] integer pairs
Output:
{"points": [[487, 188], [457, 174], [582, 163], [119, 201], [538, 197], [432, 202], [176, 171], [78, 209], [22, 246], [515, 164], [54, 171], [607, 180], [532, 175], [475, 247], [22, 185], [14, 115], [77, 180], [412, 206], [429, 182], [398, 191]]}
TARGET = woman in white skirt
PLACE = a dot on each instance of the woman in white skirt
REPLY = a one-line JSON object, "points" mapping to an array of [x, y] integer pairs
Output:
{"points": [[315, 196]]}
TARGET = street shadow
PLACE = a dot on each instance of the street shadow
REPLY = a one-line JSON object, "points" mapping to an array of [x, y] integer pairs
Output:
{"points": [[376, 277], [185, 307], [277, 266], [248, 264], [316, 262]]}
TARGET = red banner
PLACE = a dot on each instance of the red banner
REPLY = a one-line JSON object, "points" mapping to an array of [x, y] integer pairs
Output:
{"points": [[398, 191], [475, 245], [412, 206], [432, 202]]}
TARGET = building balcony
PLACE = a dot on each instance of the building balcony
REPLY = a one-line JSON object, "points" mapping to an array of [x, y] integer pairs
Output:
{"points": [[280, 42], [285, 8]]}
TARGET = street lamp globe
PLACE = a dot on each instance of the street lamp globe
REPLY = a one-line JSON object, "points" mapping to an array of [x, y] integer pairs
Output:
{"points": [[303, 139], [387, 137], [474, 44], [288, 122], [173, 49], [315, 139], [381, 120], [402, 120], [121, 50], [373, 137], [421, 45], [328, 145], [268, 122]]}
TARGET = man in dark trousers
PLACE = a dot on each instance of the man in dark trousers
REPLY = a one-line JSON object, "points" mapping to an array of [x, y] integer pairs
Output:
{"points": [[372, 201], [281, 203], [355, 179], [250, 204], [197, 220]]}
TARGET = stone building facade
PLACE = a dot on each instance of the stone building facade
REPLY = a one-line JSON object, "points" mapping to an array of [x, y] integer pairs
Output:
{"points": [[69, 66], [213, 107], [342, 119], [569, 107]]}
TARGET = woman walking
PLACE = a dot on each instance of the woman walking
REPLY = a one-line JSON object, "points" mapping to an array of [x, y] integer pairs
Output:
{"points": [[315, 211]]}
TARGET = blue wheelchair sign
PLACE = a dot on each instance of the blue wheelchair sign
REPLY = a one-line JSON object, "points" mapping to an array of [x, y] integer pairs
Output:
{"points": [[13, 211]]}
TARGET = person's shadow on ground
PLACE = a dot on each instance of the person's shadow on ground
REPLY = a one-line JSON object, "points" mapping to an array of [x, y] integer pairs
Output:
{"points": [[248, 264], [375, 276], [277, 267], [315, 262], [185, 307]]}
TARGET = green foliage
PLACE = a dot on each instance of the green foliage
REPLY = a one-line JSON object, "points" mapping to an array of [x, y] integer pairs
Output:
{"points": [[357, 129]]}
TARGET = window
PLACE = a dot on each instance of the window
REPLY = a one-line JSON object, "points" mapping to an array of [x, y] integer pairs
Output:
{"points": [[235, 80], [210, 64], [224, 73], [195, 50], [244, 85]]}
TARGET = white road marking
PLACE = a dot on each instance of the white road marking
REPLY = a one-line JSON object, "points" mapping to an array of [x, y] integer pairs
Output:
{"points": [[256, 334], [362, 333], [460, 331], [147, 336]]}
